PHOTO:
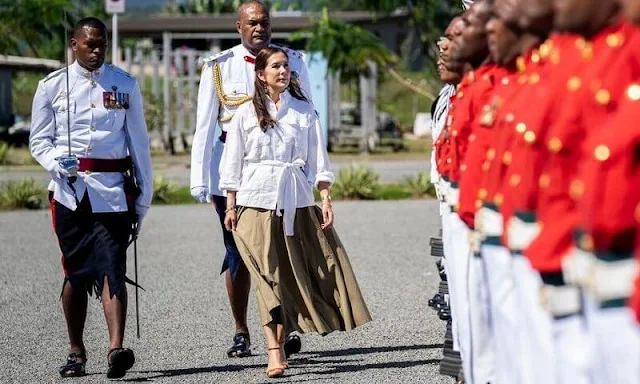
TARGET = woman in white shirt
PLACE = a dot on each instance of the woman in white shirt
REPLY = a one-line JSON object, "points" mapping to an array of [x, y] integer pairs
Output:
{"points": [[273, 157]]}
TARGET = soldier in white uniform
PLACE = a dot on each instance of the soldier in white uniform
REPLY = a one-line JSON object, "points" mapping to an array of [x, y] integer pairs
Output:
{"points": [[227, 81], [88, 130]]}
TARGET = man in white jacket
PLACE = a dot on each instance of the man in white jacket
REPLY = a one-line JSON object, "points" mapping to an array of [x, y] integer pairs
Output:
{"points": [[87, 130]]}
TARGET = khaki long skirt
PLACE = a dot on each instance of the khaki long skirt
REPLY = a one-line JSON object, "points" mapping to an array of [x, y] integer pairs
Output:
{"points": [[308, 275]]}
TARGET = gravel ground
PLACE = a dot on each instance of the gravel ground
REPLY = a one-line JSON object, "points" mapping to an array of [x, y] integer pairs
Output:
{"points": [[186, 321]]}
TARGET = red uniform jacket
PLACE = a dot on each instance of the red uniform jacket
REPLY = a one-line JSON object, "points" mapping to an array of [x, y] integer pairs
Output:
{"points": [[591, 97]]}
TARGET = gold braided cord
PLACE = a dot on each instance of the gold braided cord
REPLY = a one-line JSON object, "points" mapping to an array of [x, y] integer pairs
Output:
{"points": [[229, 101], [227, 118]]}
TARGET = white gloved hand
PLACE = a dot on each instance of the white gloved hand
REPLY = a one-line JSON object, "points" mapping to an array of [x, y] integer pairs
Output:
{"points": [[201, 194], [141, 212], [67, 166]]}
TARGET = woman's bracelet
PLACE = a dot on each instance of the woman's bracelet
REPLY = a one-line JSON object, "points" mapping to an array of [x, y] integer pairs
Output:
{"points": [[230, 209]]}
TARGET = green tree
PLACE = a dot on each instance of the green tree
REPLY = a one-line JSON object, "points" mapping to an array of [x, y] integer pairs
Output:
{"points": [[346, 47], [429, 18], [36, 27], [26, 24]]}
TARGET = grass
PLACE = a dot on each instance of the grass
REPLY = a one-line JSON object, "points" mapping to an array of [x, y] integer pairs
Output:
{"points": [[22, 194], [26, 194], [15, 156], [181, 195]]}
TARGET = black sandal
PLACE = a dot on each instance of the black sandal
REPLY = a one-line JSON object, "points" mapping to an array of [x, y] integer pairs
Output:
{"points": [[292, 344], [120, 360], [73, 368], [241, 346]]}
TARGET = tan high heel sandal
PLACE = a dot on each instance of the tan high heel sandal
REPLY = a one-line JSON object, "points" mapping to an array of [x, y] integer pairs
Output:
{"points": [[274, 372]]}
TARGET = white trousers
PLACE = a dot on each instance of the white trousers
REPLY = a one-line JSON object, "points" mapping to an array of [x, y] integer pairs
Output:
{"points": [[504, 312], [572, 352], [450, 267], [537, 360], [483, 363], [615, 346], [460, 257]]}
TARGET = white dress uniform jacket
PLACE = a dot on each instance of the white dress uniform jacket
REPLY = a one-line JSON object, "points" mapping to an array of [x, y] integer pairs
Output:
{"points": [[227, 81], [96, 132], [278, 168]]}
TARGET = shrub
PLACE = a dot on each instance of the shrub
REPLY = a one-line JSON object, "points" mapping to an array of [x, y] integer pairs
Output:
{"points": [[153, 112], [164, 191], [18, 194], [420, 185], [356, 182], [10, 155]]}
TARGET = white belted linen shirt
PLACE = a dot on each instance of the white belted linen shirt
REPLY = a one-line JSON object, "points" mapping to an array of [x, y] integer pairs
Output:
{"points": [[276, 169]]}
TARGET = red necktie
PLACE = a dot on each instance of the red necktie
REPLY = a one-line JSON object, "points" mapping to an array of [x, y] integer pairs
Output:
{"points": [[250, 59]]}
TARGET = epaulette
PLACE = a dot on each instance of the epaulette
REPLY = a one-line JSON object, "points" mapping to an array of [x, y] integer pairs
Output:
{"points": [[120, 70], [218, 56], [53, 74]]}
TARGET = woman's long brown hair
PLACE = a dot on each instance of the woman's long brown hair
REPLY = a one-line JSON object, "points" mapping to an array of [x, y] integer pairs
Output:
{"points": [[261, 94]]}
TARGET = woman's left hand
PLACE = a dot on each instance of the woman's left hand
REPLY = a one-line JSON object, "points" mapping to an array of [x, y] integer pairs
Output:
{"points": [[327, 215]]}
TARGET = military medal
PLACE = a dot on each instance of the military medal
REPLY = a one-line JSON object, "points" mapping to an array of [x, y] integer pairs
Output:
{"points": [[106, 99], [125, 100], [114, 100]]}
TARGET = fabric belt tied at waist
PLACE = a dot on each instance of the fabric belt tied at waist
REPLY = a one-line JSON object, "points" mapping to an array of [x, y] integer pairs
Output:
{"points": [[104, 165], [287, 190]]}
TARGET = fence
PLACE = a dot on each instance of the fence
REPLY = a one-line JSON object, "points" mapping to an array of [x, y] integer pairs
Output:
{"points": [[171, 105]]}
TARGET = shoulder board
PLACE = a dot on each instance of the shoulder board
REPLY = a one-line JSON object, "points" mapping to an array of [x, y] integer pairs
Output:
{"points": [[54, 74], [218, 56], [120, 70]]}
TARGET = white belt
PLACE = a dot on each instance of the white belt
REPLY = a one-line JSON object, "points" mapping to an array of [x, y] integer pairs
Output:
{"points": [[287, 190], [560, 300], [520, 234], [613, 279], [578, 267], [490, 222], [452, 196]]}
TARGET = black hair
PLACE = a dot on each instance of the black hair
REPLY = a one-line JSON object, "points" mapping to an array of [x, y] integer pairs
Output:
{"points": [[92, 22]]}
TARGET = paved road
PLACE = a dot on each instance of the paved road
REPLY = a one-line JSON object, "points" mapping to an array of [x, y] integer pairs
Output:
{"points": [[391, 171], [186, 324]]}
